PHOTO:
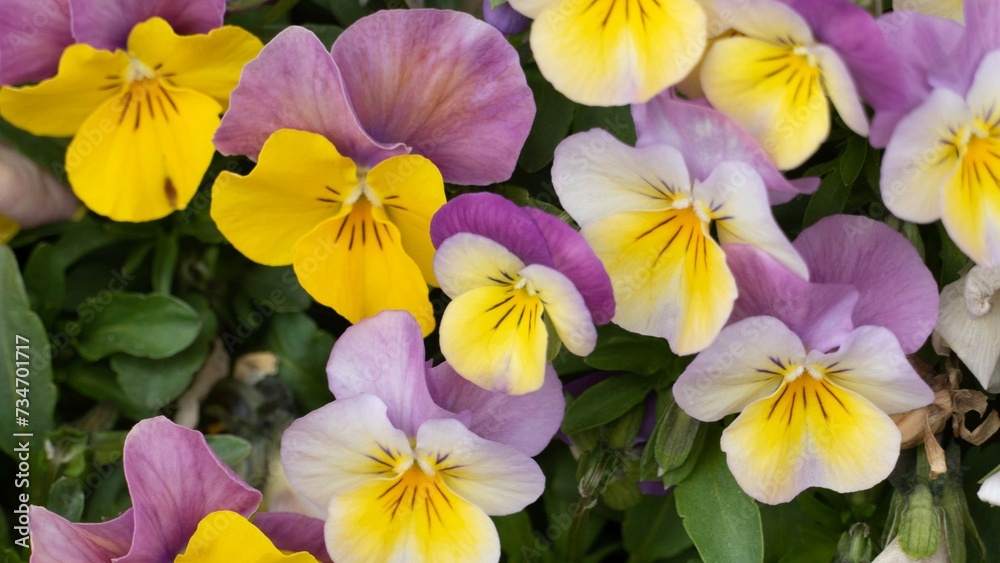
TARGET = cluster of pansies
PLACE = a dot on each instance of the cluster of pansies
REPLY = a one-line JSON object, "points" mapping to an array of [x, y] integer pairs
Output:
{"points": [[380, 169]]}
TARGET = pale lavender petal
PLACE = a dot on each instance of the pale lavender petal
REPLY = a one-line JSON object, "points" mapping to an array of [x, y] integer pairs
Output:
{"points": [[175, 480], [496, 218], [55, 539], [572, 256], [505, 18], [981, 37], [526, 422], [294, 84], [819, 313], [897, 291], [461, 100], [707, 137], [106, 24], [292, 533], [30, 195], [853, 33], [384, 356], [921, 43], [33, 34]]}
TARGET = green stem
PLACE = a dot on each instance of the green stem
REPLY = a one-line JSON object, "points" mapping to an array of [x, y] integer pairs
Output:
{"points": [[590, 486]]}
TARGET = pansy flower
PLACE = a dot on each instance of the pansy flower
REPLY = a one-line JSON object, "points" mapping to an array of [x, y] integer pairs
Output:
{"points": [[353, 150], [29, 196], [943, 159], [815, 368], [775, 78], [512, 272], [969, 323], [185, 500], [140, 99], [400, 474], [505, 18], [606, 53], [648, 215]]}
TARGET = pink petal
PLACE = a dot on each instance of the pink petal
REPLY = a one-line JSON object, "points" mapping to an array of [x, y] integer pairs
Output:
{"points": [[461, 99], [294, 84], [981, 37], [30, 195], [106, 24], [175, 480], [384, 356], [707, 138], [33, 34], [55, 539], [897, 291], [292, 533], [526, 422]]}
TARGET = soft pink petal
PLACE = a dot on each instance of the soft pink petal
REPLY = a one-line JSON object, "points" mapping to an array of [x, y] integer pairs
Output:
{"points": [[526, 422], [57, 540], [175, 480], [294, 84], [33, 34], [460, 99], [291, 532], [921, 43], [106, 24], [981, 37], [897, 291], [384, 356], [819, 313], [707, 137], [30, 195]]}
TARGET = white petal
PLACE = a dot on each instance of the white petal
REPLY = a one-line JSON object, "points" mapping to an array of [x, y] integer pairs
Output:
{"points": [[745, 363], [737, 197], [340, 445], [989, 492], [565, 307], [841, 89], [976, 339], [870, 363], [497, 478], [765, 19], [595, 175], [532, 8], [917, 165], [466, 261]]}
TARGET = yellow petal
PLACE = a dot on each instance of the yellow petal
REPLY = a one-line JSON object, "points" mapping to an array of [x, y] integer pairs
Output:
{"points": [[971, 200], [608, 52], [224, 536], [414, 517], [356, 264], [773, 92], [8, 229], [210, 63], [300, 181], [143, 154], [411, 190], [669, 277], [466, 261], [57, 107], [810, 433], [494, 337]]}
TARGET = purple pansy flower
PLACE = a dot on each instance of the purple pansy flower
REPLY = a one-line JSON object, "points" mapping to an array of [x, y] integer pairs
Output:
{"points": [[354, 148], [409, 460], [505, 18], [505, 267], [176, 481]]}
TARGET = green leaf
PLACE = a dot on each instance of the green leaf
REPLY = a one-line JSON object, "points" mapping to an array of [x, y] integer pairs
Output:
{"points": [[829, 199], [99, 383], [652, 530], [516, 535], [552, 122], [275, 288], [497, 3], [148, 326], [303, 350], [721, 519], [66, 498], [616, 120], [153, 384], [48, 152], [678, 475], [675, 440], [953, 260], [230, 449], [27, 369], [620, 350], [853, 159], [45, 280], [605, 402], [165, 262]]}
